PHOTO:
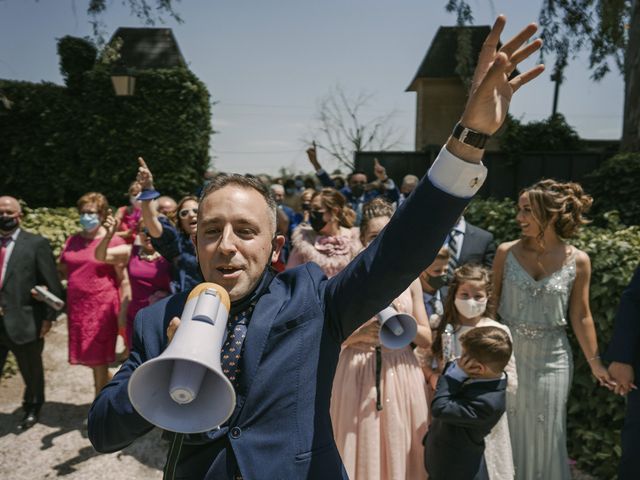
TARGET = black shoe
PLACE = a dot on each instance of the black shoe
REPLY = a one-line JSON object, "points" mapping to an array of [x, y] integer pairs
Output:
{"points": [[29, 420]]}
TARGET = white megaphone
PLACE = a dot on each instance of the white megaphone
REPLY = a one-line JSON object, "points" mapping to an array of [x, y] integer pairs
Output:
{"points": [[184, 389], [397, 330]]}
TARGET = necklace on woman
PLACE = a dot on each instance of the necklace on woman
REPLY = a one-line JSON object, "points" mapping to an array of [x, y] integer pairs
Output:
{"points": [[148, 257]]}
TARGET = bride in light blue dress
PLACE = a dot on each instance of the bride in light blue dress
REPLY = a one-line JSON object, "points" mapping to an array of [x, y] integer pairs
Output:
{"points": [[538, 279]]}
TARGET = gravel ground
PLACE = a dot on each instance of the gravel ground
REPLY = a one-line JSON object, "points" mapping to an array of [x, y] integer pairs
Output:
{"points": [[58, 445]]}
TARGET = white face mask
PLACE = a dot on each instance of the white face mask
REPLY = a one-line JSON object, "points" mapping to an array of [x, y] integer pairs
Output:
{"points": [[470, 308]]}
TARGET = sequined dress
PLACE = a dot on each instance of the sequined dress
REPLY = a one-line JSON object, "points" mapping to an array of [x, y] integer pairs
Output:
{"points": [[536, 313]]}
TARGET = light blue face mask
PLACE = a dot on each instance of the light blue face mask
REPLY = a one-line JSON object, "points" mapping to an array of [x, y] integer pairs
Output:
{"points": [[89, 221]]}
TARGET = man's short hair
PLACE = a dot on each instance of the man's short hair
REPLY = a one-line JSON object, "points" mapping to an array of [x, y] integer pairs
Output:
{"points": [[244, 181], [410, 180], [356, 172], [490, 346]]}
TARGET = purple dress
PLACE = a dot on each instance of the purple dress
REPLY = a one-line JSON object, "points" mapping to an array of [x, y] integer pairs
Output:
{"points": [[146, 278]]}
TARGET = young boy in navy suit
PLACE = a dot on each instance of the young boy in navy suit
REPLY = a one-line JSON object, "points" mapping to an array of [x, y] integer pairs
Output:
{"points": [[469, 401]]}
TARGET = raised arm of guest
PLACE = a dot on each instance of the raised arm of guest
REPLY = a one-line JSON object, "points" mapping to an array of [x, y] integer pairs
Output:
{"points": [[149, 213], [325, 179]]}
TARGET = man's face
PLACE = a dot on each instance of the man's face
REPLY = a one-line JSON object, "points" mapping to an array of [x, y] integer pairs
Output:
{"points": [[278, 194], [235, 239], [10, 208], [357, 179]]}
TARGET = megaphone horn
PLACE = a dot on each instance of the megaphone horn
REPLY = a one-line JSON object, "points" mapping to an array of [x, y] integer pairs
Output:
{"points": [[397, 330], [184, 389]]}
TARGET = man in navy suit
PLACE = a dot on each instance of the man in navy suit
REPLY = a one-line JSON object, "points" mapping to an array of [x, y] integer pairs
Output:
{"points": [[624, 353], [469, 401], [292, 325]]}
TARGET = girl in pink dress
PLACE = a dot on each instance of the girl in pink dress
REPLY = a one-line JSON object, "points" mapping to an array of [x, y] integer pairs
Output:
{"points": [[93, 300], [149, 272], [379, 425]]}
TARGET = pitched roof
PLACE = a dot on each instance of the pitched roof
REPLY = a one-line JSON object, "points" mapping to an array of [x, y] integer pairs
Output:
{"points": [[147, 48], [440, 60]]}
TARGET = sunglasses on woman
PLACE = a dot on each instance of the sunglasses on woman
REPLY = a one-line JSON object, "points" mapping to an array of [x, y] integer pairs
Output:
{"points": [[185, 212]]}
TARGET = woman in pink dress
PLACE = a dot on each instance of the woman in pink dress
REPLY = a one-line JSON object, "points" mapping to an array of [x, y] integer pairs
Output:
{"points": [[92, 293], [149, 272], [329, 239], [379, 404]]}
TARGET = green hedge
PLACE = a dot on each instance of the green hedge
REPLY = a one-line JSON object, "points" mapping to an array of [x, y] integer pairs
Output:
{"points": [[595, 415], [615, 186], [61, 142]]}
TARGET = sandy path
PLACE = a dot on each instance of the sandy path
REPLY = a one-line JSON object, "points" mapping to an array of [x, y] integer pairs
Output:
{"points": [[58, 445]]}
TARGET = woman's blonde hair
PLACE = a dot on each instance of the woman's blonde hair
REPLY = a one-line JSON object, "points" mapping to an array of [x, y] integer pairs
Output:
{"points": [[563, 203], [378, 207], [331, 199]]}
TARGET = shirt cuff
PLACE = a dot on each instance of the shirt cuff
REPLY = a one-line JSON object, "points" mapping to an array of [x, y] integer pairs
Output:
{"points": [[455, 372], [389, 184], [320, 172], [456, 177]]}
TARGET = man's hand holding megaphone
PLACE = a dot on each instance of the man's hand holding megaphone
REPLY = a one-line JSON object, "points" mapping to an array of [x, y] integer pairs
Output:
{"points": [[184, 389]]}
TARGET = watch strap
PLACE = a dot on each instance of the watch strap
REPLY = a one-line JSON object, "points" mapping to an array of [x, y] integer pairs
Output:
{"points": [[469, 137]]}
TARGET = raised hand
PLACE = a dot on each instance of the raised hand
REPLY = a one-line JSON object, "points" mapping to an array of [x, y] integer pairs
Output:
{"points": [[144, 177], [491, 89], [312, 154], [110, 224], [379, 171]]}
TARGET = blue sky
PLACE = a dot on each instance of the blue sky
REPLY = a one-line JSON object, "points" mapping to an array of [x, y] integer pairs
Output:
{"points": [[267, 62]]}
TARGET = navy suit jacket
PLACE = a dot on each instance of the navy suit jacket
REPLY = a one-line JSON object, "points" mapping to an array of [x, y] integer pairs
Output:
{"points": [[625, 342], [478, 247], [281, 427], [463, 414]]}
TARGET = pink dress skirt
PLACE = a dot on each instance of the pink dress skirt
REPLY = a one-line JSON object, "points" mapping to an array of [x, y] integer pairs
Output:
{"points": [[385, 444]]}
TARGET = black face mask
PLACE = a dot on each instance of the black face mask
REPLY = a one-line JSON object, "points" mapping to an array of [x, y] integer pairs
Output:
{"points": [[357, 190], [8, 223], [437, 282], [316, 220]]}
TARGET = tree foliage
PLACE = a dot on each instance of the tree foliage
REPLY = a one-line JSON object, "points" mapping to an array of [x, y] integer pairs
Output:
{"points": [[59, 143], [615, 186], [549, 135], [149, 12], [344, 128]]}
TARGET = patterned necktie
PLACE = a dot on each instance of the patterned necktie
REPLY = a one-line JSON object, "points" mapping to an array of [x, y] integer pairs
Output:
{"points": [[453, 253], [232, 349]]}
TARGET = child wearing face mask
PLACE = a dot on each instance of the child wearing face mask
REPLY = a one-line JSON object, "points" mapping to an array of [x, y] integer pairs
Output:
{"points": [[470, 304]]}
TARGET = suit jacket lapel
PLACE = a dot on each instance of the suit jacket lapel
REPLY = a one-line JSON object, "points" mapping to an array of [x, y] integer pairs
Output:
{"points": [[262, 318], [18, 247]]}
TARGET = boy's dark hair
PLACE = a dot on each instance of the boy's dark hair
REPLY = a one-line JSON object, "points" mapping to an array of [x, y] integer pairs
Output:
{"points": [[490, 346]]}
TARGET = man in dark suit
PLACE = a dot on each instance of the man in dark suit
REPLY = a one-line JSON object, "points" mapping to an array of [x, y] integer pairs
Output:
{"points": [[470, 399], [290, 326], [470, 244], [26, 260], [624, 353]]}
